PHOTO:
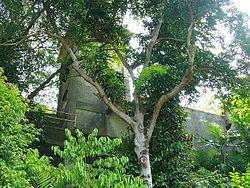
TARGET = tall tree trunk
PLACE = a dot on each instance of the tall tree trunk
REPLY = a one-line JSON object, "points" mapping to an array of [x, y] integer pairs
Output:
{"points": [[142, 151]]}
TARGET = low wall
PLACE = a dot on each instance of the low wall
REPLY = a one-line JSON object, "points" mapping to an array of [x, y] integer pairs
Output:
{"points": [[110, 125]]}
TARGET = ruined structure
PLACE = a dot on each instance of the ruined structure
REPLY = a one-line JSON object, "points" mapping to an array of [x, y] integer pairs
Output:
{"points": [[79, 107]]}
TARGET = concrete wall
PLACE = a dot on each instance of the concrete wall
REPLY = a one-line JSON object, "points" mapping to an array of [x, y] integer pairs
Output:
{"points": [[79, 99], [197, 121], [196, 124]]}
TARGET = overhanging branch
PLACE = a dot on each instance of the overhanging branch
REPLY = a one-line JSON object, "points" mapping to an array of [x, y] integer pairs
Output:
{"points": [[44, 84], [24, 35], [93, 82], [17, 41]]}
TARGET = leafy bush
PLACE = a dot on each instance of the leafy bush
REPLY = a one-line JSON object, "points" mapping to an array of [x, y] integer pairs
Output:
{"points": [[206, 178], [106, 169], [240, 113], [241, 181], [224, 150], [18, 163], [39, 171]]}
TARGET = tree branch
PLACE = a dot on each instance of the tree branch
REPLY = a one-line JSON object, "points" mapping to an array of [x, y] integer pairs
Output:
{"points": [[14, 43], [93, 82], [18, 41], [43, 85], [110, 21], [50, 15], [24, 35], [103, 96], [130, 70], [118, 52], [33, 21], [152, 43], [187, 78]]}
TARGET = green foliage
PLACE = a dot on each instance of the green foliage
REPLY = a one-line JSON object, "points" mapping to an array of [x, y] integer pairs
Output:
{"points": [[36, 114], [19, 165], [171, 149], [238, 104], [23, 167], [210, 68], [155, 79], [106, 169], [83, 23], [23, 55], [224, 150], [98, 65], [15, 135], [206, 178], [39, 170], [227, 150], [240, 181]]}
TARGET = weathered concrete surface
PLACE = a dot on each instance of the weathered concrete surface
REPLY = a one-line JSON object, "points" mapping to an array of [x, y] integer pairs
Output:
{"points": [[197, 124], [79, 98], [197, 121], [54, 135], [86, 111], [109, 124]]}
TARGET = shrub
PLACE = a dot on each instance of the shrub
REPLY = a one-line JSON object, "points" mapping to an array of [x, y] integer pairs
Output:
{"points": [[106, 169]]}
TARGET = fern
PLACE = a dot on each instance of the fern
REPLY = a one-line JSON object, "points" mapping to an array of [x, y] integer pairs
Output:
{"points": [[41, 179], [39, 171]]}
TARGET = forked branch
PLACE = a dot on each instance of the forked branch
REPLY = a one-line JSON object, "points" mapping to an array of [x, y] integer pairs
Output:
{"points": [[187, 78]]}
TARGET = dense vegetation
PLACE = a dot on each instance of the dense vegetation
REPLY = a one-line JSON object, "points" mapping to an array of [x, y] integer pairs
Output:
{"points": [[22, 166], [175, 54]]}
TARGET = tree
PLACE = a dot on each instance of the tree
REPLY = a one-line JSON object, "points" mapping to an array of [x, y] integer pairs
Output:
{"points": [[24, 53], [175, 53], [170, 150]]}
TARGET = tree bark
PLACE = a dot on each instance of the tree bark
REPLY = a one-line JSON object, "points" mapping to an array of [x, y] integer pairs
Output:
{"points": [[141, 148], [142, 151], [44, 84]]}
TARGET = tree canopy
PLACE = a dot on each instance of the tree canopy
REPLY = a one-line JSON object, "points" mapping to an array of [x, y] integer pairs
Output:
{"points": [[176, 53]]}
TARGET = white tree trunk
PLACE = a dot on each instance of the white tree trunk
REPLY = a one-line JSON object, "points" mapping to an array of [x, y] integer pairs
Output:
{"points": [[142, 151]]}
